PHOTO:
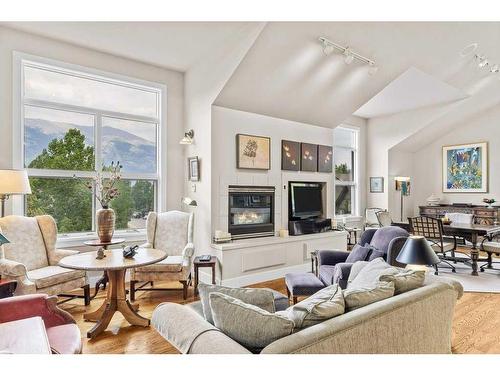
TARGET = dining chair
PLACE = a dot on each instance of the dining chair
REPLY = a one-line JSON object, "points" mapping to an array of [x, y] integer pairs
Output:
{"points": [[432, 229], [371, 220], [384, 218]]}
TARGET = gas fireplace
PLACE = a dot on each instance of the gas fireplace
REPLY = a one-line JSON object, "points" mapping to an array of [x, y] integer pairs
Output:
{"points": [[251, 211]]}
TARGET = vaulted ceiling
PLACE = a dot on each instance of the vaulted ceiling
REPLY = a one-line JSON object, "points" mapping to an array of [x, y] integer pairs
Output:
{"points": [[286, 74]]}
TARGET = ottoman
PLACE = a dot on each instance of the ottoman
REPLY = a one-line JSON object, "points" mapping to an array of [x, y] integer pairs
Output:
{"points": [[302, 284]]}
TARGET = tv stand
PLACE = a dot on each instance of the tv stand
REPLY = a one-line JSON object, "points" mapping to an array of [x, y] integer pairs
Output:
{"points": [[309, 226]]}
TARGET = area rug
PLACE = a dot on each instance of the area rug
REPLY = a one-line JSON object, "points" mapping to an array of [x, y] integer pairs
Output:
{"points": [[487, 281]]}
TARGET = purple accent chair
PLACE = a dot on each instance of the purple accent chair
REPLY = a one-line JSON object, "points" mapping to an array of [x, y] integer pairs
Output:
{"points": [[384, 242]]}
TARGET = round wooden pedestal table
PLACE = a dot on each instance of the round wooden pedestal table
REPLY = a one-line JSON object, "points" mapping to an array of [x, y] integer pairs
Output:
{"points": [[115, 265]]}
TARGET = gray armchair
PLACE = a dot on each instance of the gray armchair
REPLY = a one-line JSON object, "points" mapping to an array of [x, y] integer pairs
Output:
{"points": [[386, 242]]}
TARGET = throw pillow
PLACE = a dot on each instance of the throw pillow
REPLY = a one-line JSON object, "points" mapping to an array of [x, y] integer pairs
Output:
{"points": [[370, 274], [322, 305], [247, 324], [262, 298], [358, 253], [375, 254], [361, 296], [405, 280], [355, 269]]}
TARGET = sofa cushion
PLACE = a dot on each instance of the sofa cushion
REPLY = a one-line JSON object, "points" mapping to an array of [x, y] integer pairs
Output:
{"points": [[303, 283], [65, 339], [53, 275], [172, 263], [405, 280], [356, 297], [358, 253], [355, 269], [371, 273], [322, 305], [247, 324], [263, 298]]}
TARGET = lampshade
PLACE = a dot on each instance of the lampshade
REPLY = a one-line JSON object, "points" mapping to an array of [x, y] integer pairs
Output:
{"points": [[189, 202], [417, 250], [14, 182], [3, 240]]}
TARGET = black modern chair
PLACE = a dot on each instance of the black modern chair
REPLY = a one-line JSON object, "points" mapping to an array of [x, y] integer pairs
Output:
{"points": [[432, 229]]}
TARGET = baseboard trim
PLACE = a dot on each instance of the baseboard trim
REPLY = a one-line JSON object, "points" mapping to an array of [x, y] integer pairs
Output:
{"points": [[254, 278]]}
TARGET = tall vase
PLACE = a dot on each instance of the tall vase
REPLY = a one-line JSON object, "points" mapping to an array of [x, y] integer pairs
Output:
{"points": [[105, 224]]}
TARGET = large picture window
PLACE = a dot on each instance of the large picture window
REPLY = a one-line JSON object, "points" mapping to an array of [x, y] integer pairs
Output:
{"points": [[74, 124], [345, 155]]}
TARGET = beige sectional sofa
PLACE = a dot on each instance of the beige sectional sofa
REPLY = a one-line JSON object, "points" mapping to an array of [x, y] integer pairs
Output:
{"points": [[418, 321]]}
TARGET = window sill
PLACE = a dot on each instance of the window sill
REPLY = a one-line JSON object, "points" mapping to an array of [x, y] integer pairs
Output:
{"points": [[73, 240]]}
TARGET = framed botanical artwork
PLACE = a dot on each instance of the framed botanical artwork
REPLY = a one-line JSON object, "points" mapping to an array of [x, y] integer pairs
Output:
{"points": [[194, 168], [376, 184], [308, 157], [253, 152], [325, 159], [290, 155], [465, 168]]}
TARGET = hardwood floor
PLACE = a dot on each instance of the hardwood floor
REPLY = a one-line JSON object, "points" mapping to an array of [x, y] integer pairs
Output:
{"points": [[476, 325]]}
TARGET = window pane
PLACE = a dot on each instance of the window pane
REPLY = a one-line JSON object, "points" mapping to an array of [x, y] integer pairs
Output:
{"points": [[67, 200], [56, 139], [343, 200], [344, 137], [132, 143], [135, 200], [85, 92], [344, 162]]}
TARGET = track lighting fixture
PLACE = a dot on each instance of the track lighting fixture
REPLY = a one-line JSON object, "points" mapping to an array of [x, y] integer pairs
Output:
{"points": [[495, 68], [349, 54], [481, 60]]}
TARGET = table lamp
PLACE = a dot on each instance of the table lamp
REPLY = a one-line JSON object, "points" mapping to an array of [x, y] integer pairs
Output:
{"points": [[402, 185], [12, 182], [417, 254]]}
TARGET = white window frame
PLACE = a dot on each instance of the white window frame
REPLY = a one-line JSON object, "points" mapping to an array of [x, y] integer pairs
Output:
{"points": [[20, 60], [355, 194]]}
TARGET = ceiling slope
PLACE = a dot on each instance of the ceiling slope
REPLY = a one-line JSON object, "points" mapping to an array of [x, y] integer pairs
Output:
{"points": [[286, 75]]}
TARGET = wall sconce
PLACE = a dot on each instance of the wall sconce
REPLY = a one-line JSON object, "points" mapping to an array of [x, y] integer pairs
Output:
{"points": [[188, 138], [189, 202]]}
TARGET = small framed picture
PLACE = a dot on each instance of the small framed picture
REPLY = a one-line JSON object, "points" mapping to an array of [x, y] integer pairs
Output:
{"points": [[194, 168], [253, 152], [376, 184]]}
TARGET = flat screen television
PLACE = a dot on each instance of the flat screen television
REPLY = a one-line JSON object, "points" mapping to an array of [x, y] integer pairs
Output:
{"points": [[306, 200]]}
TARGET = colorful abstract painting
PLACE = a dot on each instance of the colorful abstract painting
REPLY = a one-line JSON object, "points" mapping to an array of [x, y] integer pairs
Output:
{"points": [[465, 168]]}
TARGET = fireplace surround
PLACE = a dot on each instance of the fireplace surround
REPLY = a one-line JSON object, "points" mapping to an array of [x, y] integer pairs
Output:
{"points": [[251, 211]]}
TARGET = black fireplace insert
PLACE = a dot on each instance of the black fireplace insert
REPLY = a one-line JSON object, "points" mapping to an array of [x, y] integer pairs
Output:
{"points": [[251, 211]]}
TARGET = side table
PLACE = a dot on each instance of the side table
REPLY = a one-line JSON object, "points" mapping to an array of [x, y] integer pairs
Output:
{"points": [[199, 264], [7, 288], [97, 243]]}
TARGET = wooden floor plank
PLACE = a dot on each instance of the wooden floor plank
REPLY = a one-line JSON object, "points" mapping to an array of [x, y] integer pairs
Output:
{"points": [[476, 324]]}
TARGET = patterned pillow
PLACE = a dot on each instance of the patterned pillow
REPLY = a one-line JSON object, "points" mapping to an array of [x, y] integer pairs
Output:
{"points": [[247, 324]]}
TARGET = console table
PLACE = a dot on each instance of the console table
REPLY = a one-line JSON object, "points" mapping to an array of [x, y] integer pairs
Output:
{"points": [[483, 215]]}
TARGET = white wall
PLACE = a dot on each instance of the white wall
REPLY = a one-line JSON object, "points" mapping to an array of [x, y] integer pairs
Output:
{"points": [[12, 40], [226, 123], [203, 83], [428, 160]]}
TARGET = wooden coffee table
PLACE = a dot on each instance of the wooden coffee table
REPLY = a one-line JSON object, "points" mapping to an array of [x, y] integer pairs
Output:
{"points": [[115, 266]]}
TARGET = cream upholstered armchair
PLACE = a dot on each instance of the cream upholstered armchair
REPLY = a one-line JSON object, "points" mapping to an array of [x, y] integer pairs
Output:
{"points": [[172, 232], [31, 258]]}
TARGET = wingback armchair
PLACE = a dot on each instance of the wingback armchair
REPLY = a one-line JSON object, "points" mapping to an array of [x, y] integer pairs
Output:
{"points": [[172, 232], [62, 331], [31, 258], [387, 242]]}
